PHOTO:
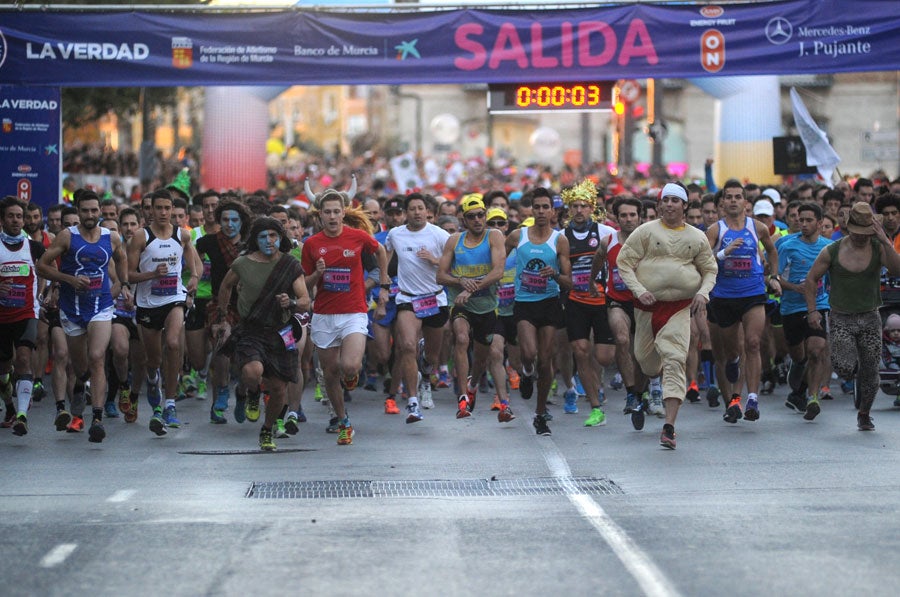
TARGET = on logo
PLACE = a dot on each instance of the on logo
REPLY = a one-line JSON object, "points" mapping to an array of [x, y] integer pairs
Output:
{"points": [[712, 51]]}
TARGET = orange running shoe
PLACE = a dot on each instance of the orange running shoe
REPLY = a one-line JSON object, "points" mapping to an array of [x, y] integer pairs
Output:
{"points": [[505, 415], [513, 377], [463, 408], [345, 435], [733, 413], [693, 392], [390, 407], [351, 381], [496, 404], [76, 426]]}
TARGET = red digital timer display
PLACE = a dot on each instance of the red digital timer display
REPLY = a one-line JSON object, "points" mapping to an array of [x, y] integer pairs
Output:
{"points": [[550, 97]]}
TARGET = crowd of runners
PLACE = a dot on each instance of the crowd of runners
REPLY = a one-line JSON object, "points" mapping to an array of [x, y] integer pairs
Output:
{"points": [[516, 296]]}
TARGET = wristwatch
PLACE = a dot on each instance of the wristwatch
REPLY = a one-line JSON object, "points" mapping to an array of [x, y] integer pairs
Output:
{"points": [[385, 286]]}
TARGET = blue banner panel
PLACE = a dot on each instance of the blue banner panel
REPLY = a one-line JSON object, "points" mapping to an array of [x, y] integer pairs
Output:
{"points": [[29, 143], [448, 46]]}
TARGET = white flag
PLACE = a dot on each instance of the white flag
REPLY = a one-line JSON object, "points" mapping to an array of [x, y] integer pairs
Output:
{"points": [[819, 152], [406, 172]]}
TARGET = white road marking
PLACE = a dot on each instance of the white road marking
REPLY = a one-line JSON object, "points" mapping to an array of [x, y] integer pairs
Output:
{"points": [[650, 578], [58, 555], [123, 495]]}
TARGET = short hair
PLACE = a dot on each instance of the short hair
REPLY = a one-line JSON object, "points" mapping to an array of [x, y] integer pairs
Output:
{"points": [[795, 204], [813, 207], [694, 205], [446, 220], [833, 195], [830, 218], [32, 206], [414, 197], [129, 211], [180, 202], [108, 202], [887, 200], [732, 183], [10, 201], [862, 182], [86, 196], [633, 201], [490, 195], [694, 188], [160, 194], [199, 197], [804, 187], [68, 211], [55, 207], [278, 209], [751, 186]]}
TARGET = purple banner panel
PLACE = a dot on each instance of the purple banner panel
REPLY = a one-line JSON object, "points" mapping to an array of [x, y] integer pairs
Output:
{"points": [[30, 143], [448, 46]]}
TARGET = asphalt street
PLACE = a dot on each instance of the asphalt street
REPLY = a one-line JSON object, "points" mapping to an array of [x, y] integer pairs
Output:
{"points": [[779, 506]]}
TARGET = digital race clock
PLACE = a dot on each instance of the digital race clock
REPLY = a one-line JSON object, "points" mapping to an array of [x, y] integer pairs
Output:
{"points": [[550, 97]]}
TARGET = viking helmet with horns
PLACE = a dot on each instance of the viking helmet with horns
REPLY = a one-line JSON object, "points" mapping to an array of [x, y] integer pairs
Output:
{"points": [[346, 196]]}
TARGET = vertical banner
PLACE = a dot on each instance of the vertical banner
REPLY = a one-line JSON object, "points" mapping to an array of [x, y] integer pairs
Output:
{"points": [[30, 141]]}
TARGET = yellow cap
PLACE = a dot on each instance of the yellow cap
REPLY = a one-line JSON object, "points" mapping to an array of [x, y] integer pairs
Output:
{"points": [[496, 212], [472, 201], [527, 222]]}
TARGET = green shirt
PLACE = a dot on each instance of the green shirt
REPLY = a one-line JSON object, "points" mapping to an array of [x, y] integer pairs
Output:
{"points": [[855, 292]]}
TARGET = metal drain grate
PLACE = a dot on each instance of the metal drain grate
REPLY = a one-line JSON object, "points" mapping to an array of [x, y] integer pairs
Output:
{"points": [[433, 488], [243, 452]]}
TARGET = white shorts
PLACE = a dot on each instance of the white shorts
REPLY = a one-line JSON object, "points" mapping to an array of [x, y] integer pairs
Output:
{"points": [[328, 331], [75, 329]]}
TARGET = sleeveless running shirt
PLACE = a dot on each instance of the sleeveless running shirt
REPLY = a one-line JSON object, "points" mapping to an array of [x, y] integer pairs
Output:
{"points": [[741, 272], [92, 260], [18, 295], [473, 262], [616, 289], [158, 292], [530, 258]]}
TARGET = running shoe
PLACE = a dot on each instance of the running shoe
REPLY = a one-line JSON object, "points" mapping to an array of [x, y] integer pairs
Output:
{"points": [[812, 410], [637, 415], [96, 433], [279, 430], [597, 418], [655, 404], [345, 434], [733, 412], [76, 425], [617, 383], [579, 388], [124, 399], [513, 376], [20, 427], [693, 393], [252, 408], [526, 386], [443, 379], [847, 386], [317, 394], [505, 415], [217, 410], [266, 442], [601, 396], [781, 373], [864, 422], [733, 370], [540, 425], [796, 401], [413, 413], [767, 387], [110, 411], [667, 437], [334, 425], [38, 391], [632, 403], [132, 414], [462, 410], [425, 392], [554, 387], [301, 416], [428, 404], [216, 416], [154, 397], [371, 381], [171, 417], [751, 412], [63, 418], [201, 388], [390, 406], [571, 401], [157, 424], [351, 381], [825, 393], [471, 393], [712, 396], [291, 424], [495, 405], [188, 385], [795, 374]]}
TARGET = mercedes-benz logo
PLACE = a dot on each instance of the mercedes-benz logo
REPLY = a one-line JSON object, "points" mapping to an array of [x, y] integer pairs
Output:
{"points": [[779, 30]]}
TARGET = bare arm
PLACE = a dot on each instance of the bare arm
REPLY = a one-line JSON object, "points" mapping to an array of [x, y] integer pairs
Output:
{"points": [[512, 241], [136, 246], [46, 266], [194, 264], [565, 264], [811, 283], [444, 277], [771, 257]]}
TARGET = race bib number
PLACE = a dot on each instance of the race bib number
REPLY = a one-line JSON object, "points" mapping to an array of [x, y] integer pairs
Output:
{"points": [[96, 284], [336, 279], [581, 280], [737, 267], [207, 271], [164, 286], [820, 288], [506, 295], [13, 296], [121, 309], [395, 287], [617, 281], [425, 306], [287, 336], [534, 283]]}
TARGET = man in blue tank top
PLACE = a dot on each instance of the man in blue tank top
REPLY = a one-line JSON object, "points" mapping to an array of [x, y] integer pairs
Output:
{"points": [[542, 267], [739, 297], [87, 287], [470, 267]]}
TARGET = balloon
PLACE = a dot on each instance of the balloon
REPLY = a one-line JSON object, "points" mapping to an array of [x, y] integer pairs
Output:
{"points": [[545, 142], [445, 128]]}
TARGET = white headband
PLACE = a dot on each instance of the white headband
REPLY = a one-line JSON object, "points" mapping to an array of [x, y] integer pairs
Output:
{"points": [[673, 190]]}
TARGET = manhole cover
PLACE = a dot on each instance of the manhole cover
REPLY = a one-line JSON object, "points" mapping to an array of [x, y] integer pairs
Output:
{"points": [[432, 488], [241, 452]]}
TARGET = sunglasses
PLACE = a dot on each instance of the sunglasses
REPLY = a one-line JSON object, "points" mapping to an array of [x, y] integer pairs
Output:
{"points": [[475, 216], [497, 223]]}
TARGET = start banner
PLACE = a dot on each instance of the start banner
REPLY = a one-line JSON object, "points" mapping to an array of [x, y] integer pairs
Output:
{"points": [[318, 47]]}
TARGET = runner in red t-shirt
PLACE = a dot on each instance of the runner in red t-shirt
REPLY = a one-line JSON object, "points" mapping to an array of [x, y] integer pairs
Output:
{"points": [[333, 266]]}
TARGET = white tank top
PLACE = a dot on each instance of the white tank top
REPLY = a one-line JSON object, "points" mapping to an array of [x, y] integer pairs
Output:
{"points": [[158, 292]]}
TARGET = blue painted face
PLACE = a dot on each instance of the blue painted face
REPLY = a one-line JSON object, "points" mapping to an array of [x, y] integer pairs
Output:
{"points": [[268, 241], [231, 223]]}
